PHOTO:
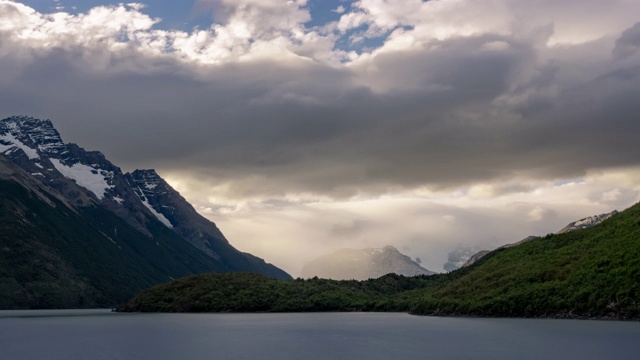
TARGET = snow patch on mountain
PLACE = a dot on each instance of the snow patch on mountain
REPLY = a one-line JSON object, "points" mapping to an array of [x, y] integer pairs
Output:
{"points": [[89, 178], [150, 186], [159, 216], [15, 143], [587, 222]]}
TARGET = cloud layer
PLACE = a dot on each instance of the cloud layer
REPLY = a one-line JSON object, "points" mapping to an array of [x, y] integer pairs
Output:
{"points": [[484, 97]]}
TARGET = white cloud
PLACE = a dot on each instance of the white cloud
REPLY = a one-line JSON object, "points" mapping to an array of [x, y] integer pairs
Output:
{"points": [[253, 30], [611, 195], [539, 213]]}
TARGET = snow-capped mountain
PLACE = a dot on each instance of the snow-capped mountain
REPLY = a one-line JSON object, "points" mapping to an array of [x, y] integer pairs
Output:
{"points": [[82, 177], [362, 264], [586, 222], [85, 184]]}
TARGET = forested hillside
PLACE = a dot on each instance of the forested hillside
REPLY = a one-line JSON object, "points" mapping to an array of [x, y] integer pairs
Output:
{"points": [[593, 272]]}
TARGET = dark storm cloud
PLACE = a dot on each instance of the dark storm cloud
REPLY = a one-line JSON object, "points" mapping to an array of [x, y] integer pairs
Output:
{"points": [[455, 112], [629, 43]]}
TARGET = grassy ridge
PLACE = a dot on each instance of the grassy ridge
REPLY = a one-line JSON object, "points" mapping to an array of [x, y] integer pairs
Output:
{"points": [[593, 272]]}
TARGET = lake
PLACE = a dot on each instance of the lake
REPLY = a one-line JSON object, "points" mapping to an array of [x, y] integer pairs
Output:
{"points": [[100, 334]]}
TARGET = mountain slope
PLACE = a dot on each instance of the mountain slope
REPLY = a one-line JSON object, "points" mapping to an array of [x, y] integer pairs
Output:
{"points": [[56, 256], [576, 225], [100, 236], [173, 210], [589, 272]]}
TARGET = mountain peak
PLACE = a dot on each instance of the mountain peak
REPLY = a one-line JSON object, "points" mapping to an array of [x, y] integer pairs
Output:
{"points": [[145, 172], [146, 180], [21, 120], [30, 135], [362, 264]]}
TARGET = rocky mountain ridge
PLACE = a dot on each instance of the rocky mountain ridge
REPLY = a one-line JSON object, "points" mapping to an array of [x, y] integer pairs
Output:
{"points": [[587, 222]]}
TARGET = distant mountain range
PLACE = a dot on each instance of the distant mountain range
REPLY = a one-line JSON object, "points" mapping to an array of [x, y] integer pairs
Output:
{"points": [[362, 264], [75, 231]]}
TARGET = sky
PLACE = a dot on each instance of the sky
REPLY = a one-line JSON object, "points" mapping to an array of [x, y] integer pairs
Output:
{"points": [[301, 127]]}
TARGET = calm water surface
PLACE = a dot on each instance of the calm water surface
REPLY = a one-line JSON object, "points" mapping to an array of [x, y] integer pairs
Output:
{"points": [[100, 334]]}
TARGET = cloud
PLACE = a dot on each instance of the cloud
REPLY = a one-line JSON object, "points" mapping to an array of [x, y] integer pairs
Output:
{"points": [[427, 225], [628, 43], [262, 116], [339, 10], [236, 103], [539, 214]]}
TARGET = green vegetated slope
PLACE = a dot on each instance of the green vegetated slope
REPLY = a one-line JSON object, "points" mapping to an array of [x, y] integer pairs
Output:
{"points": [[54, 257], [593, 272]]}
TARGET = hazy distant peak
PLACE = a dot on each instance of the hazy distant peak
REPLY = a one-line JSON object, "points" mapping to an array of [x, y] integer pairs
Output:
{"points": [[362, 264]]}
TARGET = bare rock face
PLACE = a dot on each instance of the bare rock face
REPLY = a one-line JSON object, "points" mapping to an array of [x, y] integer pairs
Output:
{"points": [[362, 264]]}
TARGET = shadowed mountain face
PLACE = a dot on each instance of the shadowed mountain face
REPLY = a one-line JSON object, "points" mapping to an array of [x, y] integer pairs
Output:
{"points": [[180, 216], [362, 264], [77, 232]]}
